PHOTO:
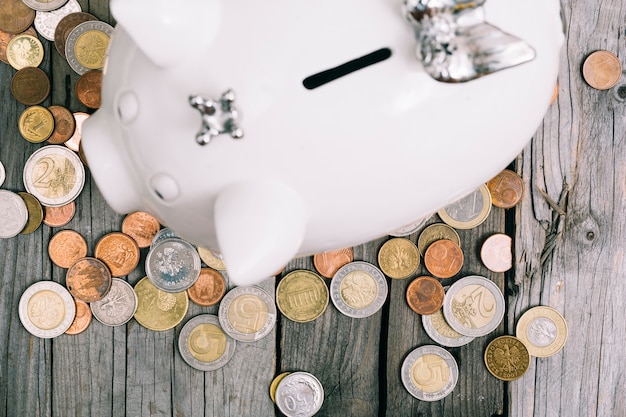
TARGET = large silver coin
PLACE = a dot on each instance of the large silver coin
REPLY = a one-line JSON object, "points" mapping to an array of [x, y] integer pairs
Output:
{"points": [[204, 345], [299, 394], [429, 373], [44, 5], [474, 306], [13, 214], [247, 313], [173, 265], [87, 44], [164, 233], [3, 174], [358, 289], [55, 175], [46, 22], [46, 309], [440, 331], [118, 306]]}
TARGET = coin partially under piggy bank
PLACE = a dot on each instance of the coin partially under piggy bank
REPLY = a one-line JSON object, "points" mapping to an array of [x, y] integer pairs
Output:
{"points": [[267, 130]]}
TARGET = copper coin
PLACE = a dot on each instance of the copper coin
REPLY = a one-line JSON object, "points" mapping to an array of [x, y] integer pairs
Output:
{"points": [[327, 263], [64, 125], [119, 252], [496, 253], [425, 295], [142, 227], [81, 154], [82, 319], [30, 86], [208, 289], [59, 216], [5, 38], [73, 142], [89, 87], [66, 247], [88, 279], [443, 258], [65, 27], [602, 70], [506, 188], [15, 16]]}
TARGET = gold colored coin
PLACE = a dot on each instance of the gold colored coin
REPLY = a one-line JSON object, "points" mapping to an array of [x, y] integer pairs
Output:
{"points": [[435, 232], [36, 124], [398, 258], [275, 383], [507, 358], [543, 330], [24, 51], [91, 48], [211, 259], [35, 213], [207, 342], [159, 310], [470, 211], [602, 70], [302, 296]]}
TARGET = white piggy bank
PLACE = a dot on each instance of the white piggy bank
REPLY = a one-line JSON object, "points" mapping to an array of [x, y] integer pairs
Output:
{"points": [[318, 167]]}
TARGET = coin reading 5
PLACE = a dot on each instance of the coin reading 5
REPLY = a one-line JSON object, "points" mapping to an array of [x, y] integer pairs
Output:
{"points": [[203, 344], [302, 296], [429, 373]]}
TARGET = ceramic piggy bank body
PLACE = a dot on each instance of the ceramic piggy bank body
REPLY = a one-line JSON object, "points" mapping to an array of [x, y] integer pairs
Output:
{"points": [[266, 130]]}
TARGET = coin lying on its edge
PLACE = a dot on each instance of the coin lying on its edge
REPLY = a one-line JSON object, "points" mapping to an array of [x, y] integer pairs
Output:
{"points": [[204, 345], [420, 380], [46, 309]]}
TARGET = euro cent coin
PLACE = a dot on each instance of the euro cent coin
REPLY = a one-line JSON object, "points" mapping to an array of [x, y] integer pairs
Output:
{"points": [[142, 227], [328, 263], [429, 373], [359, 289], [30, 86], [496, 252], [602, 70], [66, 247], [435, 232], [15, 16], [444, 258], [86, 45], [543, 330], [208, 289], [118, 306], [119, 252], [13, 214], [203, 344], [88, 279], [247, 313], [302, 296], [425, 295], [82, 320], [506, 189], [299, 394], [507, 358], [46, 309]]}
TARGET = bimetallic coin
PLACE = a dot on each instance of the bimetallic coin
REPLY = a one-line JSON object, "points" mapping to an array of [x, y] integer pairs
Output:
{"points": [[3, 174], [54, 175], [44, 5], [474, 306], [440, 331], [66, 247], [24, 51], [88, 279], [65, 26], [204, 345], [30, 86], [410, 228], [470, 211], [299, 394], [507, 358], [328, 263], [302, 296], [543, 330], [119, 252], [275, 383], [429, 373], [64, 125], [82, 319], [35, 213], [359, 289], [173, 265], [142, 227], [435, 232], [212, 259], [159, 310], [59, 216], [602, 70], [36, 124], [496, 252], [208, 289], [13, 214], [247, 314], [398, 258], [425, 295], [46, 22], [46, 309], [86, 45], [444, 258], [506, 189], [15, 16], [118, 306]]}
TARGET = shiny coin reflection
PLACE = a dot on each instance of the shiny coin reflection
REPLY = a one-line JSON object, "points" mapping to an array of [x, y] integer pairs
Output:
{"points": [[173, 265], [359, 289], [46, 309], [430, 373], [247, 314], [543, 330], [299, 394], [204, 345]]}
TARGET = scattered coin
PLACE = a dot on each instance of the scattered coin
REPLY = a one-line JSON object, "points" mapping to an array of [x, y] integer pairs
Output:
{"points": [[159, 310], [59, 216], [299, 394], [440, 331], [3, 174], [142, 227], [173, 265], [89, 87], [54, 175], [410, 228], [118, 306], [73, 142], [5, 38], [46, 22], [15, 16], [443, 258], [425, 295], [275, 383], [82, 319], [302, 296], [24, 50], [507, 358], [359, 289], [46, 309], [13, 214], [212, 259], [474, 306], [602, 70], [543, 331], [86, 45], [468, 212], [327, 263], [64, 125], [429, 373], [30, 86], [435, 232], [119, 252], [496, 252], [66, 247], [35, 213], [208, 289], [204, 345], [247, 314], [165, 233], [36, 124], [398, 258], [88, 279], [506, 189], [65, 27], [44, 5]]}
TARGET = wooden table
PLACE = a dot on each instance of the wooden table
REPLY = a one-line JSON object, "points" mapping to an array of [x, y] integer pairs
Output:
{"points": [[573, 261]]}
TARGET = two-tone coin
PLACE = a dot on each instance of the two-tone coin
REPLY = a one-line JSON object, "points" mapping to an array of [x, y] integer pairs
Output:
{"points": [[435, 232], [87, 44], [118, 306], [13, 214], [469, 211], [82, 319], [173, 265], [506, 189], [425, 295], [36, 124], [204, 345], [208, 289], [46, 21], [543, 330], [88, 279], [328, 263], [359, 289], [429, 373], [440, 331], [66, 247], [46, 309], [119, 252], [496, 252], [507, 358], [302, 296], [24, 50], [44, 5], [247, 313], [142, 227], [65, 27], [159, 310], [35, 213], [444, 258], [398, 258], [299, 394]]}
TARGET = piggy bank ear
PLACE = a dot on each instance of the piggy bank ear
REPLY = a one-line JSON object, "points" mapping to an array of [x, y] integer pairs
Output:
{"points": [[168, 31], [260, 227]]}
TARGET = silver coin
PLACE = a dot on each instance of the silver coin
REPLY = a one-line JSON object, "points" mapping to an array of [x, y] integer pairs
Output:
{"points": [[410, 228], [173, 265], [118, 306], [3, 174], [358, 289], [73, 37], [474, 306], [44, 5], [429, 373], [55, 175], [204, 345], [46, 22], [299, 394], [13, 214], [46, 309], [164, 233], [247, 313], [440, 331]]}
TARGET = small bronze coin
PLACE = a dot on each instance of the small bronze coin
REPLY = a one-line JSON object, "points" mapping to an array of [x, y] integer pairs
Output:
{"points": [[507, 358], [208, 289], [82, 320], [602, 70], [327, 263], [119, 252], [64, 125], [66, 247], [89, 87], [5, 38], [142, 227], [425, 295], [59, 216], [88, 279], [65, 27], [496, 252], [15, 16], [30, 86], [443, 258], [36, 124], [506, 188]]}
